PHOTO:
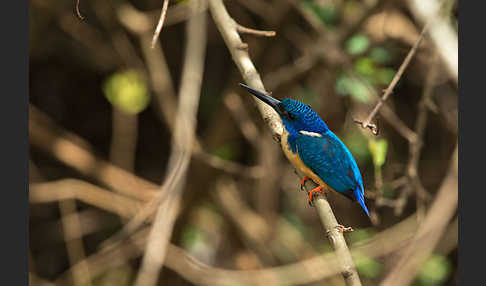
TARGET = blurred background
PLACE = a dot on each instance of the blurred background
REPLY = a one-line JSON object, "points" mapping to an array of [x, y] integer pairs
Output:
{"points": [[103, 106]]}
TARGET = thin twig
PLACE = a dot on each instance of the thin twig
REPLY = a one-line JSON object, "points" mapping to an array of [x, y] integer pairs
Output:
{"points": [[243, 29], [366, 124], [165, 97], [160, 23], [429, 232], [228, 28], [78, 13]]}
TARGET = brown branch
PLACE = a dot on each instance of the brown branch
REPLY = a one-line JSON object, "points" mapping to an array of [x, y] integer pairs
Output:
{"points": [[160, 24], [76, 153], [123, 139], [415, 147], [78, 13], [75, 248], [165, 98], [334, 232], [243, 29], [199, 273], [67, 189], [228, 28], [366, 124], [429, 232], [442, 34], [188, 267], [253, 228], [182, 142]]}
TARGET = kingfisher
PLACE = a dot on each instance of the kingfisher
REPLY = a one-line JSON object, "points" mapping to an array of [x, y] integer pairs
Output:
{"points": [[315, 150]]}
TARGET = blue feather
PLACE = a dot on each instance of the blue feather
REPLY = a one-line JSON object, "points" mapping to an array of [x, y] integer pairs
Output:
{"points": [[326, 155], [318, 148]]}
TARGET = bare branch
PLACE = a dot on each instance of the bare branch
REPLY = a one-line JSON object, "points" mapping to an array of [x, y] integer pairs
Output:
{"points": [[429, 232], [76, 153], [441, 32], [78, 13], [366, 124], [182, 143], [228, 28], [160, 23], [246, 30]]}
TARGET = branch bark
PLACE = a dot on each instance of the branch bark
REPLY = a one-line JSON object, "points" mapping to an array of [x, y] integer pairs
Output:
{"points": [[229, 30], [182, 142], [429, 232], [321, 266], [441, 32]]}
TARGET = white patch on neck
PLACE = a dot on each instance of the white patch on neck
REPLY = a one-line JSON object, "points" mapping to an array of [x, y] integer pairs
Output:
{"points": [[312, 134]]}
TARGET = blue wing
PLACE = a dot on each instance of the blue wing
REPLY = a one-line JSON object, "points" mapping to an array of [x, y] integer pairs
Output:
{"points": [[329, 158]]}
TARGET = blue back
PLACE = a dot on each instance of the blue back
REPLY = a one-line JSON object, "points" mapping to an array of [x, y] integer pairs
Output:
{"points": [[325, 155]]}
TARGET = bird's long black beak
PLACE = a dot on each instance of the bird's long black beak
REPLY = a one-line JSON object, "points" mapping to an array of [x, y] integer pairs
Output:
{"points": [[264, 97]]}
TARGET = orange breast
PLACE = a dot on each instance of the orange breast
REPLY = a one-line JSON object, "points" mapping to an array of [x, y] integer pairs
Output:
{"points": [[298, 164]]}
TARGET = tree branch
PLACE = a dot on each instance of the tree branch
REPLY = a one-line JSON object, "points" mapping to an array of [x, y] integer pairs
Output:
{"points": [[366, 124], [182, 142], [429, 232], [441, 33], [160, 24], [229, 30]]}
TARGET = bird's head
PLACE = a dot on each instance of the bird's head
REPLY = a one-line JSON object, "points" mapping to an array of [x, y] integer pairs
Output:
{"points": [[295, 115]]}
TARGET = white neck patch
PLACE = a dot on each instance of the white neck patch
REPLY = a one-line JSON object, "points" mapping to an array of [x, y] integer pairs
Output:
{"points": [[312, 134]]}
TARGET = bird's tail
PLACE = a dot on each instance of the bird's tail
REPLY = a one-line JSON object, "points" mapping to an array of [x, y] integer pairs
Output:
{"points": [[359, 195]]}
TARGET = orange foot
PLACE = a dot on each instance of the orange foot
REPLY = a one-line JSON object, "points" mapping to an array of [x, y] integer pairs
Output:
{"points": [[311, 193], [302, 183]]}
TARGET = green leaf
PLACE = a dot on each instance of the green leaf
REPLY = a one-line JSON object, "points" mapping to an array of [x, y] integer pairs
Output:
{"points": [[378, 149], [346, 85], [128, 91], [358, 145], [191, 234], [227, 151], [435, 271], [365, 66], [326, 13], [384, 75], [367, 266], [380, 55], [357, 44], [360, 234]]}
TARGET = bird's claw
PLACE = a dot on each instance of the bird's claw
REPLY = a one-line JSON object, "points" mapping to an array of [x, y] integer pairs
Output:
{"points": [[342, 229], [302, 183], [311, 194]]}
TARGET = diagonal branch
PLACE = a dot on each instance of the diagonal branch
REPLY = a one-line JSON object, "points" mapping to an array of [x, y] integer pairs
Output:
{"points": [[229, 30], [442, 34], [366, 124], [182, 143], [160, 24], [430, 231]]}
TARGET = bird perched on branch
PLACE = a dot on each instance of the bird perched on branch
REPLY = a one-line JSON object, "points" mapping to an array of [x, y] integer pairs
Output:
{"points": [[315, 150]]}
